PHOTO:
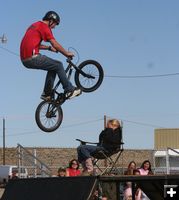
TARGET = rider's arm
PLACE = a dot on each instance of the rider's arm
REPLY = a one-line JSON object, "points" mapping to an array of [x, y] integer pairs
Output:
{"points": [[59, 48], [45, 47]]}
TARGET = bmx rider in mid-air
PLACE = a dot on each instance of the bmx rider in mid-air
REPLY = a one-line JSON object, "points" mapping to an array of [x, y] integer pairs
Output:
{"points": [[32, 59]]}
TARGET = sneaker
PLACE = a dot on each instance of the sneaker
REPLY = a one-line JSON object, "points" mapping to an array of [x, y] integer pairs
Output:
{"points": [[45, 97], [73, 93]]}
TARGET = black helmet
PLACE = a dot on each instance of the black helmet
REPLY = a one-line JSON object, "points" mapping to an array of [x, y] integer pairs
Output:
{"points": [[51, 15]]}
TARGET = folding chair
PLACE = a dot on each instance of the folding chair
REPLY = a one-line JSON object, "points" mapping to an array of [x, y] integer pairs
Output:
{"points": [[111, 157]]}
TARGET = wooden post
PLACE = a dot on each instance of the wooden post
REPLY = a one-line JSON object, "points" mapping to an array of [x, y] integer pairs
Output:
{"points": [[105, 121], [4, 146], [105, 125]]}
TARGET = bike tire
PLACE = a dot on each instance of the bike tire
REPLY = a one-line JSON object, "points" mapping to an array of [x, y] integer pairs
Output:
{"points": [[47, 119], [93, 68]]}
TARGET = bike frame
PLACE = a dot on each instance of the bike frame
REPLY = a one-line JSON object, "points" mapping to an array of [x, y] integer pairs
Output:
{"points": [[69, 70], [49, 113]]}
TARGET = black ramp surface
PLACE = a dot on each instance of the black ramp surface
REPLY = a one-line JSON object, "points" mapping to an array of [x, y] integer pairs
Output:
{"points": [[63, 188], [153, 189]]}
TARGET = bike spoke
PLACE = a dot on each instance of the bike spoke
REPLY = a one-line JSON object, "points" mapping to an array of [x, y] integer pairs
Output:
{"points": [[49, 116], [89, 82]]}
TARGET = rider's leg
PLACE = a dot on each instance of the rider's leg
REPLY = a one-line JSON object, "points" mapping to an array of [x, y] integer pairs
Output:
{"points": [[49, 82], [69, 89], [57, 67], [48, 64]]}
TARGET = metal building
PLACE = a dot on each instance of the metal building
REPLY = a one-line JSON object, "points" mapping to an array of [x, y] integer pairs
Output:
{"points": [[166, 154], [166, 138]]}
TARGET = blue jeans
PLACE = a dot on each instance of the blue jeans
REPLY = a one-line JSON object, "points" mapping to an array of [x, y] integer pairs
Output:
{"points": [[52, 67], [85, 151]]}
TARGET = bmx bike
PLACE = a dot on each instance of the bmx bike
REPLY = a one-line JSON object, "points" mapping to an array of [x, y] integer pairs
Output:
{"points": [[88, 77]]}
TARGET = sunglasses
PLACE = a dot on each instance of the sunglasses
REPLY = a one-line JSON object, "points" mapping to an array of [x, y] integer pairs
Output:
{"points": [[74, 163]]}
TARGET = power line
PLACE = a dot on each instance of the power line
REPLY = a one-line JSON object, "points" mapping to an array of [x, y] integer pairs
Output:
{"points": [[83, 123], [9, 51], [139, 123], [143, 76], [142, 124], [87, 122], [117, 76], [63, 127]]}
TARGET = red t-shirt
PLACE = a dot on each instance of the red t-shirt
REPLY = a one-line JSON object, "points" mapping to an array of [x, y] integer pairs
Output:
{"points": [[74, 172], [33, 37]]}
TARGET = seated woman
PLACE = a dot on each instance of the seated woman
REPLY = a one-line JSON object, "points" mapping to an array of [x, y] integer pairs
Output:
{"points": [[128, 185], [73, 169], [145, 169], [109, 140]]}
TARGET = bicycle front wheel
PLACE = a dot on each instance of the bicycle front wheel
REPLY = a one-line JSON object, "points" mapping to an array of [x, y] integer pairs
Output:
{"points": [[92, 76], [48, 116]]}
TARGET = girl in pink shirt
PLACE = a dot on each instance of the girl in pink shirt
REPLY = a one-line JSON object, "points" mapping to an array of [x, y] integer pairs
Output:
{"points": [[145, 169]]}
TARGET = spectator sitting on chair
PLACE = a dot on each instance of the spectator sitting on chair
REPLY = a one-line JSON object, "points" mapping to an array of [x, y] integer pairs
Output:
{"points": [[145, 169], [109, 140], [128, 185], [131, 167], [73, 169], [61, 172]]}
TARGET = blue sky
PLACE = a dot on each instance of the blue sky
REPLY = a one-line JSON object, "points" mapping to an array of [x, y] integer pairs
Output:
{"points": [[128, 37]]}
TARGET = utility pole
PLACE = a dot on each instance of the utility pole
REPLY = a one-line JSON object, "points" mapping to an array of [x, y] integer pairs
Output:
{"points": [[4, 144], [105, 121], [105, 125], [3, 39]]}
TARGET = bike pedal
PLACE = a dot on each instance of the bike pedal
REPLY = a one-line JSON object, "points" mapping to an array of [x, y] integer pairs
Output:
{"points": [[61, 98]]}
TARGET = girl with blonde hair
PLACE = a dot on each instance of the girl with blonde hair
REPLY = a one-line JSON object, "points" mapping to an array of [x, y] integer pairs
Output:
{"points": [[109, 140]]}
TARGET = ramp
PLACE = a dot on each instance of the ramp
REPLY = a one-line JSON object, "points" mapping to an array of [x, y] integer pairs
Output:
{"points": [[82, 188], [54, 188], [153, 186]]}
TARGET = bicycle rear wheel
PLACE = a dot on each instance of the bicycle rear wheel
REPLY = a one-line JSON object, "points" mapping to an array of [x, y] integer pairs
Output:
{"points": [[95, 70], [48, 116]]}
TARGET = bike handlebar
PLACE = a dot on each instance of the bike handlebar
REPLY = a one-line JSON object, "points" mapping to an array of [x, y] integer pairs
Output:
{"points": [[69, 59]]}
